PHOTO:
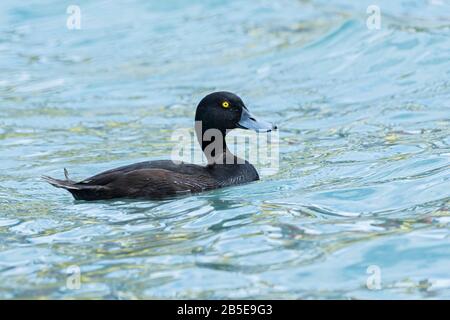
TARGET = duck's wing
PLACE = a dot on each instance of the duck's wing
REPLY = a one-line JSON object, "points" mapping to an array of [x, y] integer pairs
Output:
{"points": [[182, 168], [151, 183]]}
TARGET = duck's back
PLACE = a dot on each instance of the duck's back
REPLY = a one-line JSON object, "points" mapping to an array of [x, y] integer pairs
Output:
{"points": [[157, 179]]}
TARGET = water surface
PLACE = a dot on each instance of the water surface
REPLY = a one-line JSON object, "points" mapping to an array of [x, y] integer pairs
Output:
{"points": [[364, 176]]}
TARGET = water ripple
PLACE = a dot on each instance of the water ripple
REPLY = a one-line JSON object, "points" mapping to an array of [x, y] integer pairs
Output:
{"points": [[364, 149]]}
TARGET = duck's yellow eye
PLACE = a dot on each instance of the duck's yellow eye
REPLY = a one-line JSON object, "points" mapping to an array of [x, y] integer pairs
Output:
{"points": [[225, 104]]}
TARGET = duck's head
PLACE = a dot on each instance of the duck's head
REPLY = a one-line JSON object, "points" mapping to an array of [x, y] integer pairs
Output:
{"points": [[226, 111]]}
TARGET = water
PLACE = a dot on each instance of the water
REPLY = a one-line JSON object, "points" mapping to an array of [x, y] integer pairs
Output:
{"points": [[363, 187]]}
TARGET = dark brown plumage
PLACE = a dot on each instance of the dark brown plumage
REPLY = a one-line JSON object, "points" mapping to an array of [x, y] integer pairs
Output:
{"points": [[165, 178]]}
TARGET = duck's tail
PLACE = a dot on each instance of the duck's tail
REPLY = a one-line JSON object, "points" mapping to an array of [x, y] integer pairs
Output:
{"points": [[65, 184]]}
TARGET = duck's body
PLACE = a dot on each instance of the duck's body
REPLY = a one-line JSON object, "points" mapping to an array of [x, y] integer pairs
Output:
{"points": [[166, 178], [157, 180]]}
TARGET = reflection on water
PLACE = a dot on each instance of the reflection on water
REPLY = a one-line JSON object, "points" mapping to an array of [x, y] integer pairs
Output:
{"points": [[364, 174]]}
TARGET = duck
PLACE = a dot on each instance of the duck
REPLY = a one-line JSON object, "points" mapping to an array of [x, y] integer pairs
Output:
{"points": [[216, 115]]}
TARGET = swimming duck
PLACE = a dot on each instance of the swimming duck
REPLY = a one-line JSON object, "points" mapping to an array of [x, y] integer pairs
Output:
{"points": [[216, 115]]}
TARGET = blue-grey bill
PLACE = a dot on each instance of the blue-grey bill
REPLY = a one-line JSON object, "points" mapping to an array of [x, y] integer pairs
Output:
{"points": [[248, 121]]}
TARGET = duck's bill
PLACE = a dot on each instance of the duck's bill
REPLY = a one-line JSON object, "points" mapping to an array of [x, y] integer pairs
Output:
{"points": [[248, 121]]}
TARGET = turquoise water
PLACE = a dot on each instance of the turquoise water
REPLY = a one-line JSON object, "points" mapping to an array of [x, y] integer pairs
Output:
{"points": [[364, 176]]}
